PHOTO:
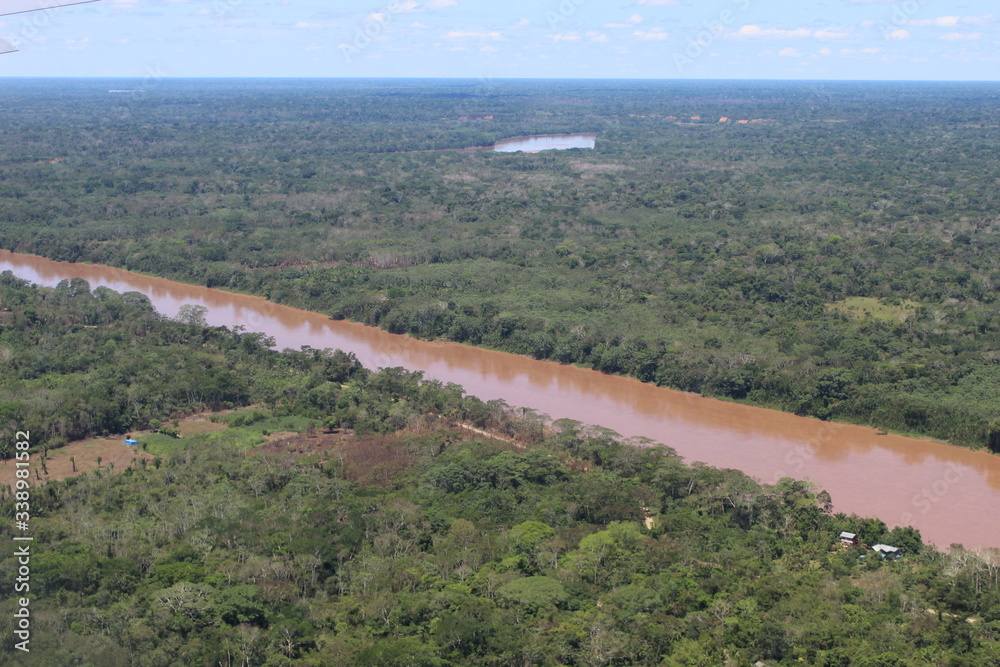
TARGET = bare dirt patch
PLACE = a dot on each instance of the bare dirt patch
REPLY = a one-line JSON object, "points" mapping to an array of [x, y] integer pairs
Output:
{"points": [[366, 460], [79, 458], [280, 435], [304, 445], [115, 456], [516, 445]]}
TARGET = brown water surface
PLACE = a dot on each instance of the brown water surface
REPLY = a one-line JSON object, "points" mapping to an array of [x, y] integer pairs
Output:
{"points": [[545, 142], [949, 493]]}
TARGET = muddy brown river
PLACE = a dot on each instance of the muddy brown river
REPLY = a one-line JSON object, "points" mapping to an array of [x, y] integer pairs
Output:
{"points": [[949, 493]]}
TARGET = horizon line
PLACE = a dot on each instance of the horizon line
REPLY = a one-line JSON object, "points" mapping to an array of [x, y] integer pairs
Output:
{"points": [[491, 78]]}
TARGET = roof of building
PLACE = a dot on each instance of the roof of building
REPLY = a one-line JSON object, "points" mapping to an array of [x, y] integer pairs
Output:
{"points": [[849, 536]]}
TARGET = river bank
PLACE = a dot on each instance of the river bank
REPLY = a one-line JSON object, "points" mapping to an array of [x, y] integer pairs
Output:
{"points": [[946, 492]]}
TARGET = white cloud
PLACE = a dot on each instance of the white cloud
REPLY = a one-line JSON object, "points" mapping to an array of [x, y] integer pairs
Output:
{"points": [[469, 34], [568, 37], [958, 36], [597, 36], [754, 30], [660, 3], [656, 34], [440, 4], [953, 21], [630, 22], [830, 33], [941, 22], [404, 7], [898, 34], [306, 25], [988, 19], [789, 52], [870, 50], [825, 51]]}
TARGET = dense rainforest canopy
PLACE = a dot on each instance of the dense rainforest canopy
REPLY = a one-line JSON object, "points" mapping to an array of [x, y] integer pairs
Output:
{"points": [[379, 518], [836, 255]]}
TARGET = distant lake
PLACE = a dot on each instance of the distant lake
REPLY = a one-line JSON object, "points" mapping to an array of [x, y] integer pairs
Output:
{"points": [[545, 142], [528, 144]]}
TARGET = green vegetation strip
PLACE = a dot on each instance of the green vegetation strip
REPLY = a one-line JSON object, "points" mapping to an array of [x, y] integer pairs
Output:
{"points": [[382, 535], [706, 261]]}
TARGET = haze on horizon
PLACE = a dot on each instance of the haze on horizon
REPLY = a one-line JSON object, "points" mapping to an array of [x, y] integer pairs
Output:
{"points": [[659, 39]]}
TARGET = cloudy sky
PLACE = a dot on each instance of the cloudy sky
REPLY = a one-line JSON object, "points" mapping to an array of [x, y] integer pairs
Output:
{"points": [[663, 39]]}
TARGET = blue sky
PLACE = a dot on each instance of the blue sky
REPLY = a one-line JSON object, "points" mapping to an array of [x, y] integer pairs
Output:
{"points": [[663, 39]]}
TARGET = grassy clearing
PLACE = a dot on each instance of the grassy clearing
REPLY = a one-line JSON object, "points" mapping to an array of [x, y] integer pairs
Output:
{"points": [[866, 306], [261, 421], [159, 444], [241, 429], [198, 425], [78, 458]]}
